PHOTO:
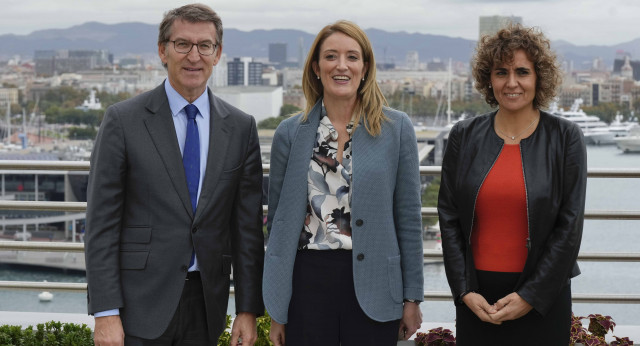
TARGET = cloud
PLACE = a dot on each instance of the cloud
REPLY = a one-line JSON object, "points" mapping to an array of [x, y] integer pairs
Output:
{"points": [[584, 22]]}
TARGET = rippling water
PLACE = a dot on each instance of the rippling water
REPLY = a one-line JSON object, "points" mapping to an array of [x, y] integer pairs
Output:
{"points": [[599, 236]]}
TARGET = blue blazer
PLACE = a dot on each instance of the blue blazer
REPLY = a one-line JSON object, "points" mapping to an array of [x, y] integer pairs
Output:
{"points": [[385, 214]]}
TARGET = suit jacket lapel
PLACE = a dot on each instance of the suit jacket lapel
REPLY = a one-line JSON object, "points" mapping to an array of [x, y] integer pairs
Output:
{"points": [[163, 134], [220, 132]]}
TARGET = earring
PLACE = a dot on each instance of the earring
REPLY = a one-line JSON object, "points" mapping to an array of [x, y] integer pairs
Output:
{"points": [[318, 76], [363, 79], [489, 86]]}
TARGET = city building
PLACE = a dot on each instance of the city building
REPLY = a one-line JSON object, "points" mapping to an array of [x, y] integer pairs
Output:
{"points": [[291, 77], [489, 25], [413, 60], [255, 73], [244, 71], [277, 53], [131, 63], [626, 71], [569, 93], [51, 62], [8, 96], [260, 101], [437, 65], [271, 76], [235, 72], [618, 64], [294, 96], [220, 76]]}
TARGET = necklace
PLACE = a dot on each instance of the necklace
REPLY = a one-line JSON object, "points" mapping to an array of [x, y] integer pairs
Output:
{"points": [[513, 138]]}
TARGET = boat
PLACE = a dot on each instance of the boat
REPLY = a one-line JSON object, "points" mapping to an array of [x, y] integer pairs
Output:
{"points": [[595, 130], [631, 142], [621, 128], [598, 136], [45, 296]]}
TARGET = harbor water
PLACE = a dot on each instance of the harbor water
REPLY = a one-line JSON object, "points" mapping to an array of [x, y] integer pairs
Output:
{"points": [[596, 278]]}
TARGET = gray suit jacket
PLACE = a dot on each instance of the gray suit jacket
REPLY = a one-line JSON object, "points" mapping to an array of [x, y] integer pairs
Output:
{"points": [[385, 214], [140, 226]]}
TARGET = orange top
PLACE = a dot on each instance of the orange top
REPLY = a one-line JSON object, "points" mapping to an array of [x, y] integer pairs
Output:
{"points": [[500, 230]]}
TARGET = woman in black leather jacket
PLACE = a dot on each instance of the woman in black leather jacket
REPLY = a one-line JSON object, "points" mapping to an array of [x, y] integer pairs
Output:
{"points": [[511, 202]]}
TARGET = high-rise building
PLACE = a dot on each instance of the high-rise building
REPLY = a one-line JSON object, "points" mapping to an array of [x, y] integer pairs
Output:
{"points": [[278, 52], [413, 61], [489, 25], [235, 72], [219, 76], [255, 73], [244, 71]]}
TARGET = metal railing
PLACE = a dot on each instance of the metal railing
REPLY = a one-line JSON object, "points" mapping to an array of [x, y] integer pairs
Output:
{"points": [[428, 212]]}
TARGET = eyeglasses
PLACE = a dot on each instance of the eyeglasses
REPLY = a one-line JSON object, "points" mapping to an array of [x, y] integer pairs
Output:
{"points": [[204, 48]]}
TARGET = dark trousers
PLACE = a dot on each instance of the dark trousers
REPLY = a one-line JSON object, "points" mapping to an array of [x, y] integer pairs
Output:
{"points": [[324, 310], [531, 329], [189, 323]]}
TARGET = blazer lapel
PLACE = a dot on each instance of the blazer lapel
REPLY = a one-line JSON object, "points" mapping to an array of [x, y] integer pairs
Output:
{"points": [[304, 141], [298, 166], [220, 133], [163, 134]]}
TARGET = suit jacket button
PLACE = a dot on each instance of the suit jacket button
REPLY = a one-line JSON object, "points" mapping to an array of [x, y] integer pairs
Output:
{"points": [[360, 256], [194, 230], [359, 222]]}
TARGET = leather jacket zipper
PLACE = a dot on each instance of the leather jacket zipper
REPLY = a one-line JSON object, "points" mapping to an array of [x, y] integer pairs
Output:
{"points": [[526, 196], [473, 216]]}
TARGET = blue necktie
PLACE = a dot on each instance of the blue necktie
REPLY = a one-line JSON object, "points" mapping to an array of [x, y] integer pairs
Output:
{"points": [[191, 159]]}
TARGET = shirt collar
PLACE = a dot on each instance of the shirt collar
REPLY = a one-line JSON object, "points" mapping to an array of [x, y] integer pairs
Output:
{"points": [[326, 129], [177, 102]]}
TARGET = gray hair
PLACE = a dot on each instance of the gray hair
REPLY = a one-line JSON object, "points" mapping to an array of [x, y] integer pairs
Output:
{"points": [[192, 13]]}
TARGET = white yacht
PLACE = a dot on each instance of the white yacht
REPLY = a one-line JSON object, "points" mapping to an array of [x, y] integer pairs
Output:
{"points": [[621, 128], [631, 142], [595, 130]]}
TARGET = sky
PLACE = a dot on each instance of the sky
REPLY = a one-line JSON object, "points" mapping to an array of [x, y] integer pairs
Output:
{"points": [[581, 22]]}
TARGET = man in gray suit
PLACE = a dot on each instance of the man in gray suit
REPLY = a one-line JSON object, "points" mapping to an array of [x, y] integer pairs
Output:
{"points": [[174, 199]]}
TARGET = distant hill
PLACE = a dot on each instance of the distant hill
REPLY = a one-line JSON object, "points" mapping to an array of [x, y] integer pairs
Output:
{"points": [[119, 39], [126, 39], [579, 54]]}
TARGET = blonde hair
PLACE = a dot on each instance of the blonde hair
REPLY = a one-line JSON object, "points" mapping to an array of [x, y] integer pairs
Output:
{"points": [[370, 100]]}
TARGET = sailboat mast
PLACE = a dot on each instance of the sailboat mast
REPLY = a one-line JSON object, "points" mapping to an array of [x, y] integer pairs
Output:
{"points": [[8, 140], [449, 94]]}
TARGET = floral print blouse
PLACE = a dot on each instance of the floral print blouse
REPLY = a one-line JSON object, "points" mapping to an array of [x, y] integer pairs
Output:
{"points": [[328, 222]]}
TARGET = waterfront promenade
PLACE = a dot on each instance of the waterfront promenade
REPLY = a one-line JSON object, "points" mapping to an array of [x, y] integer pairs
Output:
{"points": [[610, 235], [50, 260]]}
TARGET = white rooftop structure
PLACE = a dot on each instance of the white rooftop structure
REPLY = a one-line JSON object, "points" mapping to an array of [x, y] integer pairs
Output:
{"points": [[260, 101]]}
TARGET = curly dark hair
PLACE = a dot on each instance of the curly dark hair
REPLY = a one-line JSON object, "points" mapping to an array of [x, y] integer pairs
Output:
{"points": [[499, 48]]}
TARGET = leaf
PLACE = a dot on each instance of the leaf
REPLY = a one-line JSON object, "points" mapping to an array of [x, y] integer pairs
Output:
{"points": [[316, 205]]}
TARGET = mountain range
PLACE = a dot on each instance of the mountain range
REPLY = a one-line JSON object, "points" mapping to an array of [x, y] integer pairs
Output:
{"points": [[139, 39]]}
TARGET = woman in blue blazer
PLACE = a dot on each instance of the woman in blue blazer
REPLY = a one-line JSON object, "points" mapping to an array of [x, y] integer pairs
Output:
{"points": [[344, 259]]}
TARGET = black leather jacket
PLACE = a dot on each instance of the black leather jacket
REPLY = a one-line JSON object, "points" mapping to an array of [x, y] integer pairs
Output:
{"points": [[554, 162]]}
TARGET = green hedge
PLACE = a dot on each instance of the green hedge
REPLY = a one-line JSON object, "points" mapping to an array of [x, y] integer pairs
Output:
{"points": [[50, 333], [70, 334]]}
